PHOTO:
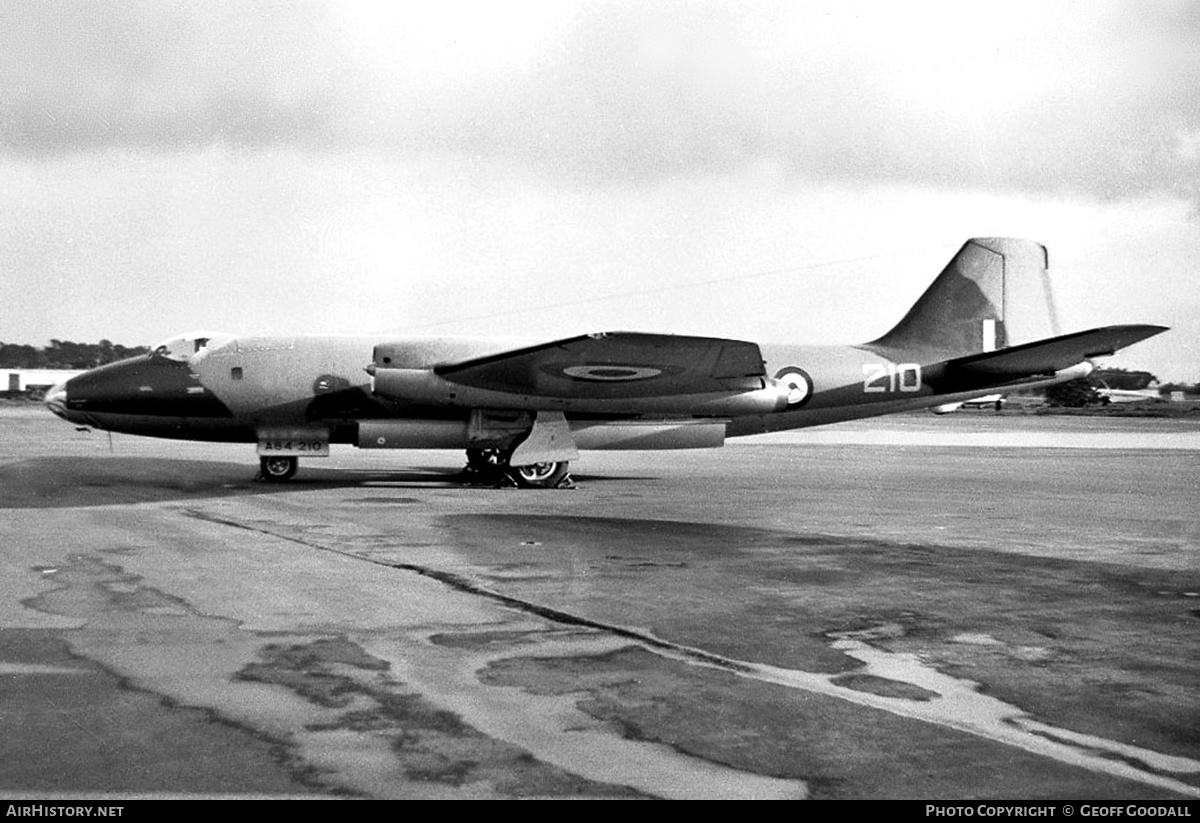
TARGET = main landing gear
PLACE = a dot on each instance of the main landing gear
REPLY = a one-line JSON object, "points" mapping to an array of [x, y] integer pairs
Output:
{"points": [[277, 469], [491, 467]]}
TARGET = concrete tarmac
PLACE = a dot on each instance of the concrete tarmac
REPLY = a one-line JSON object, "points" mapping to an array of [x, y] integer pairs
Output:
{"points": [[927, 607]]}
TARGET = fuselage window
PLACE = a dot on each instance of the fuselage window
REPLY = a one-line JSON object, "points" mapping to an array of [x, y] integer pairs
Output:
{"points": [[236, 373]]}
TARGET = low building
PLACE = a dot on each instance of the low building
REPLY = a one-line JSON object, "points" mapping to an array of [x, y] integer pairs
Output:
{"points": [[34, 382]]}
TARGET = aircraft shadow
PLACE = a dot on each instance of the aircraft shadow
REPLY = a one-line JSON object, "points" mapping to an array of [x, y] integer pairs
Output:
{"points": [[68, 482]]}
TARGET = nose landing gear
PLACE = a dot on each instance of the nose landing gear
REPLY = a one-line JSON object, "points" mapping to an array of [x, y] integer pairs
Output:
{"points": [[277, 469]]}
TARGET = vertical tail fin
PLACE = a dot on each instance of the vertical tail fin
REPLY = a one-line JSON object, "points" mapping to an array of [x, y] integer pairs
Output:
{"points": [[994, 293]]}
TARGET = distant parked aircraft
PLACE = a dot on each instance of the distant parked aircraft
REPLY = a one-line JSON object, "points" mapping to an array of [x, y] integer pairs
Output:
{"points": [[1129, 395], [987, 401]]}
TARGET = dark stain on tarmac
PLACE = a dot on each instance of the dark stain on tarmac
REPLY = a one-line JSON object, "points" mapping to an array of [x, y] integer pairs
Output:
{"points": [[109, 733], [431, 744], [310, 670], [782, 593], [767, 607], [72, 482], [469, 586], [103, 735], [69, 482], [476, 641], [127, 739], [838, 748]]}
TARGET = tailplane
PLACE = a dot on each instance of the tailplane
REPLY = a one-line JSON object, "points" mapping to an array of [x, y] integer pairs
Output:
{"points": [[994, 293]]}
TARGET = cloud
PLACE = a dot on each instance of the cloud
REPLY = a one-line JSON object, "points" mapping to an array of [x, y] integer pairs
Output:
{"points": [[161, 75], [1097, 99], [1049, 99]]}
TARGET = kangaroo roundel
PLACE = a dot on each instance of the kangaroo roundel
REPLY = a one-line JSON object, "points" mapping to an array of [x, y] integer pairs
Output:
{"points": [[610, 373], [799, 385]]}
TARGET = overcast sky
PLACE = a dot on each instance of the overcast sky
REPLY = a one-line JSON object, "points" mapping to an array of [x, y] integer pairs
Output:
{"points": [[782, 172]]}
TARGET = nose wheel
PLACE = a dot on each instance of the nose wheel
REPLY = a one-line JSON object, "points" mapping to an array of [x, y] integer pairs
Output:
{"points": [[278, 469]]}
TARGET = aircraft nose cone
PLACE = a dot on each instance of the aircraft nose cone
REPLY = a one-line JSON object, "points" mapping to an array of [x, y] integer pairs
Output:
{"points": [[56, 399]]}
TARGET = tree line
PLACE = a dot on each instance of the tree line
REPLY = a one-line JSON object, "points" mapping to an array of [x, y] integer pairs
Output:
{"points": [[1084, 391], [65, 354]]}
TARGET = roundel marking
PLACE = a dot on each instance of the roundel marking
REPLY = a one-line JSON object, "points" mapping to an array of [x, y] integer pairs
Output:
{"points": [[799, 384], [607, 373]]}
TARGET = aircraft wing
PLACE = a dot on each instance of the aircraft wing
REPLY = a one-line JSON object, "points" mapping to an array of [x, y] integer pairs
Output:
{"points": [[616, 365], [1052, 354]]}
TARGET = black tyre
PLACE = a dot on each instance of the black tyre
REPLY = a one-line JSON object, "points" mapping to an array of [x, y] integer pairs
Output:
{"points": [[278, 469], [539, 475], [483, 460]]}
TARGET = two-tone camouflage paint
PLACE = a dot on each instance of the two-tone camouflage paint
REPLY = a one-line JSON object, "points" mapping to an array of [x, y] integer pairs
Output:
{"points": [[969, 334]]}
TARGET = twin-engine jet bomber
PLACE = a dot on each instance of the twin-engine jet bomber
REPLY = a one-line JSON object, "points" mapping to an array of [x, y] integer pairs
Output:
{"points": [[524, 411]]}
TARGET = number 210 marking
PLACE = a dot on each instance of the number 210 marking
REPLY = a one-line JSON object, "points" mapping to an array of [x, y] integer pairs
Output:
{"points": [[890, 377]]}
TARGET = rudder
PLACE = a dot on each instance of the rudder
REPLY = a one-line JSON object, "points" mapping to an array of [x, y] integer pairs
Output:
{"points": [[994, 293]]}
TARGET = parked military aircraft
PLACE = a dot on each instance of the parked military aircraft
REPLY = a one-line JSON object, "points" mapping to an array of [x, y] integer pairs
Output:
{"points": [[1108, 395], [524, 410], [988, 401]]}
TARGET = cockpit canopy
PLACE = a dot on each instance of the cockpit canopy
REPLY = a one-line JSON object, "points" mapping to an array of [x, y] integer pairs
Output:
{"points": [[184, 348]]}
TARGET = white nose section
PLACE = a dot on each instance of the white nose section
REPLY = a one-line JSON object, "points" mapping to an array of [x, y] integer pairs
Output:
{"points": [[56, 399]]}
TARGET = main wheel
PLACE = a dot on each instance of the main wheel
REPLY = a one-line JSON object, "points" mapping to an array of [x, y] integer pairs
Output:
{"points": [[539, 475], [278, 469]]}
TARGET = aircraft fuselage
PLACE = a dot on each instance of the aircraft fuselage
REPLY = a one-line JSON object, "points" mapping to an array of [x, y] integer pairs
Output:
{"points": [[528, 407], [231, 392]]}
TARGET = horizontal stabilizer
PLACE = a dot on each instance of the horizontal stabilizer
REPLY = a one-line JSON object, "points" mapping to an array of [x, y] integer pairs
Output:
{"points": [[616, 364], [1052, 354]]}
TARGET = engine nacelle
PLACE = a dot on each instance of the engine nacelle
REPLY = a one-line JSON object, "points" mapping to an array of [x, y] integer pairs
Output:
{"points": [[425, 387]]}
